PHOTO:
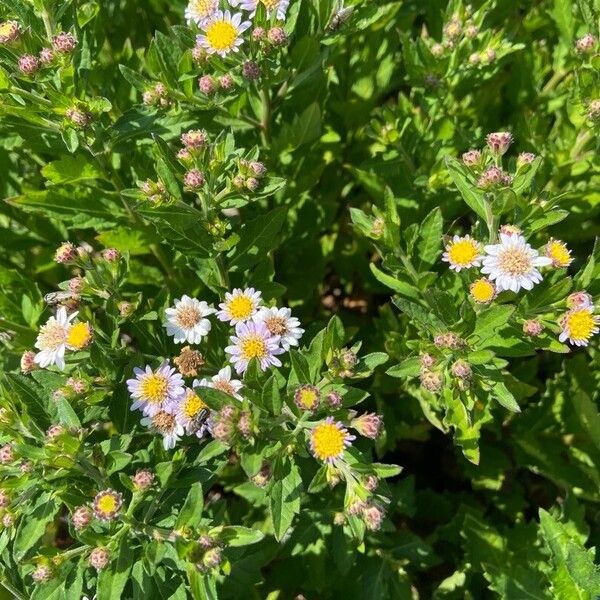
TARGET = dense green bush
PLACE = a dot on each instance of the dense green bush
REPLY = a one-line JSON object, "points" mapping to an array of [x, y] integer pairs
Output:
{"points": [[298, 299]]}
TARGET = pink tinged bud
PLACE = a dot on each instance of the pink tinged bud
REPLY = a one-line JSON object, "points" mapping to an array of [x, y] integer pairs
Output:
{"points": [[99, 558], [499, 141], [258, 33], [26, 467], [368, 424], [125, 308], [427, 361], [431, 381], [252, 184], [207, 85], [493, 177], [475, 58], [8, 520], [489, 55], [79, 386], [524, 159], [371, 483], [46, 56], [4, 499], [28, 64], [65, 253], [461, 369], [510, 230], [111, 255], [586, 44], [594, 110], [453, 29], [532, 328], [277, 36], [9, 32], [226, 82], [373, 516], [149, 98], [193, 179], [42, 574], [339, 518], [199, 54], [212, 558], [334, 400], [250, 71], [580, 300], [78, 117], [472, 158], [184, 155], [53, 432], [81, 517], [257, 168], [160, 90], [437, 50], [245, 424], [193, 139], [471, 31], [7, 454], [238, 181], [27, 362], [206, 541], [143, 479], [64, 42]]}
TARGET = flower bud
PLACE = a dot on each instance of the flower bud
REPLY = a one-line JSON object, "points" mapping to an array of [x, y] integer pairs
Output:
{"points": [[193, 139], [472, 158], [9, 32], [8, 520], [79, 117], [475, 58], [437, 50], [189, 361], [252, 184], [42, 574], [244, 424], [594, 110], [111, 255], [471, 31], [226, 82], [7, 454], [489, 55], [28, 362], [143, 479], [250, 71], [99, 558], [499, 141], [263, 476], [461, 369], [212, 558], [258, 33], [53, 432], [46, 56], [373, 515], [257, 168], [199, 54], [28, 64], [206, 85], [453, 29], [524, 159], [510, 230], [431, 381], [334, 400], [367, 424], [64, 43], [427, 361], [4, 499], [586, 44], [277, 36], [493, 177], [339, 519], [580, 300], [371, 483], [65, 253], [532, 328], [81, 517], [193, 180]]}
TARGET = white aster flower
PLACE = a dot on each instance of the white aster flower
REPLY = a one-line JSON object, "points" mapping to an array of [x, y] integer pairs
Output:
{"points": [[187, 322], [52, 339], [155, 391], [279, 321], [223, 382], [239, 306], [222, 33], [513, 263], [253, 340], [199, 11], [278, 6], [166, 424], [191, 413]]}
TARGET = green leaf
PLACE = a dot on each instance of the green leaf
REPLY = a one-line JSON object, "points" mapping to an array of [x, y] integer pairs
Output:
{"points": [[430, 244], [410, 367], [113, 579], [467, 188], [34, 402], [491, 320], [70, 169], [503, 395], [284, 496], [33, 525], [236, 535], [191, 511]]}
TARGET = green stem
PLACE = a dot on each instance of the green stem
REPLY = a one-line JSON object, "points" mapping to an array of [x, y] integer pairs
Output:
{"points": [[265, 121], [47, 23]]}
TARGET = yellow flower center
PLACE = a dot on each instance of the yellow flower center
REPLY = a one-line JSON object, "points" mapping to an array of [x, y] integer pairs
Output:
{"points": [[203, 8], [463, 252], [188, 316], [328, 441], [107, 504], [80, 335], [253, 347], [154, 388], [163, 422], [276, 325], [270, 4], [193, 405], [581, 324], [52, 335], [559, 253], [483, 291], [221, 35], [6, 29], [515, 261], [240, 307], [307, 397], [224, 386]]}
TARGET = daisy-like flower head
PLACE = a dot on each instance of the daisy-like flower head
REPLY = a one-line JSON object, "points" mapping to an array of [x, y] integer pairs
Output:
{"points": [[107, 504], [186, 320], [222, 33], [272, 6], [462, 253], [154, 391], [53, 338], [9, 31], [329, 439], [200, 11], [166, 424], [239, 306], [558, 252], [189, 412], [579, 325], [483, 291], [80, 335], [580, 299], [253, 340], [307, 397], [222, 381], [513, 263], [279, 321]]}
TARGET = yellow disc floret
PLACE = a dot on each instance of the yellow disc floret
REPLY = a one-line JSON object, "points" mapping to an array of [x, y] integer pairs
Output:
{"points": [[253, 347], [193, 405], [328, 441], [580, 325], [154, 388], [221, 35], [483, 290], [80, 335], [559, 253], [240, 307]]}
